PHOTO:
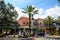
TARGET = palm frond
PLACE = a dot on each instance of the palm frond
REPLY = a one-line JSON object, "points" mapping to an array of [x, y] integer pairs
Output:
{"points": [[10, 5], [36, 12], [30, 9], [24, 12], [59, 1]]}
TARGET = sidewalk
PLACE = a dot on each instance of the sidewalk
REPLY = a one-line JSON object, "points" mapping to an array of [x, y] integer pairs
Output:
{"points": [[53, 37], [39, 38]]}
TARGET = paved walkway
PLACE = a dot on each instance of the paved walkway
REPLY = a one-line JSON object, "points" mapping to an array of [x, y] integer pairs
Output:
{"points": [[39, 38], [16, 38]]}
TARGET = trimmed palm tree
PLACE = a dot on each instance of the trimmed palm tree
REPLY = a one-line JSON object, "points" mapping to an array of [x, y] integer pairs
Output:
{"points": [[30, 10]]}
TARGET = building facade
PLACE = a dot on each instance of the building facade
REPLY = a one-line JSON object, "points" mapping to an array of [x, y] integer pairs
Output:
{"points": [[24, 25], [24, 21]]}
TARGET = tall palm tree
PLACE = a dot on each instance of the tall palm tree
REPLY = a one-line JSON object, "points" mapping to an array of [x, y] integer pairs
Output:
{"points": [[30, 10]]}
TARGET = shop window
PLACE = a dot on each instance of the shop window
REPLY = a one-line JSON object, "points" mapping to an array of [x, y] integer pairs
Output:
{"points": [[25, 23]]}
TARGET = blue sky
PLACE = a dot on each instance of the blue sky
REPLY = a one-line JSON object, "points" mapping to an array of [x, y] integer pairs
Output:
{"points": [[38, 3], [45, 6]]}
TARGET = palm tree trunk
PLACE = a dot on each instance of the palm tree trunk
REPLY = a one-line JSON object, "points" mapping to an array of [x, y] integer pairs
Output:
{"points": [[29, 22], [49, 28]]}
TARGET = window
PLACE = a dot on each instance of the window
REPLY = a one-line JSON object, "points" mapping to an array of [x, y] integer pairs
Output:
{"points": [[25, 23]]}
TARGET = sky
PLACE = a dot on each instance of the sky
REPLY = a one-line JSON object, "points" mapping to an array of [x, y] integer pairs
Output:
{"points": [[45, 7]]}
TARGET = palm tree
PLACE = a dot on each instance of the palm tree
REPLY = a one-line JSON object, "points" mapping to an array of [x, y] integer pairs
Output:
{"points": [[48, 21], [30, 10], [59, 1], [57, 21]]}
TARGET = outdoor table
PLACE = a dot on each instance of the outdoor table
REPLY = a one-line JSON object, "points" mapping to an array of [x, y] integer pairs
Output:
{"points": [[53, 37]]}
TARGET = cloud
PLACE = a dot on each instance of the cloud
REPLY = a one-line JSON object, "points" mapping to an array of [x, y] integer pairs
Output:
{"points": [[19, 12], [36, 16], [54, 12], [15, 0], [41, 10], [39, 15]]}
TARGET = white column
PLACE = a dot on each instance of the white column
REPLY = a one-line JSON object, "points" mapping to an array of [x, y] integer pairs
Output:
{"points": [[19, 32], [31, 31]]}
